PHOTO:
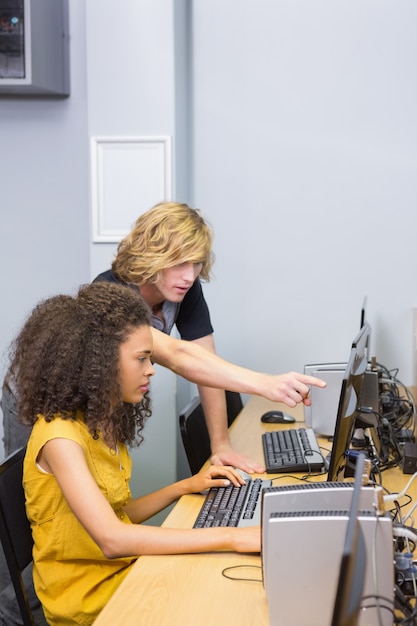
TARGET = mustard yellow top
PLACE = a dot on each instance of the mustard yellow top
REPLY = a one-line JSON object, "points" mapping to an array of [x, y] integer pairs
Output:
{"points": [[72, 577]]}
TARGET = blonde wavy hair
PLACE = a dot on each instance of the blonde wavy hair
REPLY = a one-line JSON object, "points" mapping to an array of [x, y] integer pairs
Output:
{"points": [[166, 235]]}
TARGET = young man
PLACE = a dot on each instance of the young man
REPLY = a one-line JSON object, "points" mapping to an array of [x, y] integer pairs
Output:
{"points": [[164, 257]]}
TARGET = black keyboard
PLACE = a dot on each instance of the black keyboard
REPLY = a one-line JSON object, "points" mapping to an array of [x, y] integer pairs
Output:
{"points": [[292, 450], [232, 506]]}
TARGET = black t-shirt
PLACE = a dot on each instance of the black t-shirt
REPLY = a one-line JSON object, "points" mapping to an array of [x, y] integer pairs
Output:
{"points": [[191, 316]]}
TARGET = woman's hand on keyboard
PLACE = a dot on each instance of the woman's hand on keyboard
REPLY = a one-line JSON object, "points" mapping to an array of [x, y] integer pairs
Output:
{"points": [[214, 476]]}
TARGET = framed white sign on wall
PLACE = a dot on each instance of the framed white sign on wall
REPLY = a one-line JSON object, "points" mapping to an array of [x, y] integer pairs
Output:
{"points": [[128, 176]]}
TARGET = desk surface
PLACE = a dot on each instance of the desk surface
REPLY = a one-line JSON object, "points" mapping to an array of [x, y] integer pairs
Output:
{"points": [[191, 589]]}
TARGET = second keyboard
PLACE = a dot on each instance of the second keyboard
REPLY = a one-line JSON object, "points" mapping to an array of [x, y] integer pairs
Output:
{"points": [[292, 450]]}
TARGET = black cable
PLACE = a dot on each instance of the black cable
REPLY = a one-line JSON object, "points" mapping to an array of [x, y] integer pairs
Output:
{"points": [[235, 567], [402, 603], [304, 478]]}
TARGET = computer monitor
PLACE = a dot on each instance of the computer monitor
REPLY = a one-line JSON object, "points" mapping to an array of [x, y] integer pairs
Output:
{"points": [[362, 341], [342, 458], [367, 425], [351, 580], [363, 312], [368, 417]]}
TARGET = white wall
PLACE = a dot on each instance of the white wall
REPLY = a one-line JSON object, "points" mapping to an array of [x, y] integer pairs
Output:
{"points": [[305, 159]]}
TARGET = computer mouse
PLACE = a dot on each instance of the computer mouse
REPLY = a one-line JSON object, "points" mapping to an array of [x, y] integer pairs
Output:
{"points": [[244, 475], [277, 417]]}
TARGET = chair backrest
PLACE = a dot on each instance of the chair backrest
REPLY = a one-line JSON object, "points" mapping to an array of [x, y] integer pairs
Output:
{"points": [[15, 532], [234, 406], [16, 434], [193, 428]]}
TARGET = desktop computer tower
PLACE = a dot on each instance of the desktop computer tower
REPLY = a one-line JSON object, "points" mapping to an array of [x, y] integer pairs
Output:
{"points": [[308, 497], [302, 557], [321, 414]]}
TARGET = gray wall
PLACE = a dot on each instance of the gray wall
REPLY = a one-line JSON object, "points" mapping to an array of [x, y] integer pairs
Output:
{"points": [[305, 159], [136, 79], [44, 203], [294, 130]]}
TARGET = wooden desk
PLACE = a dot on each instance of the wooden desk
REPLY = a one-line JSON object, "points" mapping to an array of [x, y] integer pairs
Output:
{"points": [[190, 589]]}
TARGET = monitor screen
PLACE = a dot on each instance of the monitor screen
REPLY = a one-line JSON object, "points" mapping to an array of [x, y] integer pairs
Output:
{"points": [[351, 580], [342, 462]]}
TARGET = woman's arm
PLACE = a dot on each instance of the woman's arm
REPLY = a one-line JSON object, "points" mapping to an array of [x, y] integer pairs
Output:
{"points": [[144, 507], [65, 459]]}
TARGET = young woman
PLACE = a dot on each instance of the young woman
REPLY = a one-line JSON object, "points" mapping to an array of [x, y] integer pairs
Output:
{"points": [[82, 367]]}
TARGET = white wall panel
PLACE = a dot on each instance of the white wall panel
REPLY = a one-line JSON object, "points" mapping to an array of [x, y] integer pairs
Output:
{"points": [[128, 176]]}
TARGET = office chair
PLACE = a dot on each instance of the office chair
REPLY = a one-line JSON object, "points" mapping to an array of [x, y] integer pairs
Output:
{"points": [[15, 433], [15, 533], [193, 428]]}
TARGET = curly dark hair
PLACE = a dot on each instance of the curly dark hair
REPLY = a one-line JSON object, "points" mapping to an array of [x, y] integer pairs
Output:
{"points": [[65, 360]]}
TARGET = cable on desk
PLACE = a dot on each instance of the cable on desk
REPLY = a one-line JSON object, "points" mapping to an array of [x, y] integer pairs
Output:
{"points": [[394, 422], [395, 496], [403, 604], [381, 602], [310, 474], [405, 573], [235, 567], [406, 532], [396, 511], [396, 418], [327, 450], [304, 479]]}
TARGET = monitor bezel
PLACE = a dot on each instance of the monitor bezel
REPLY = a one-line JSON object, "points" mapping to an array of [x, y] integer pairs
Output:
{"points": [[351, 580], [349, 399]]}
